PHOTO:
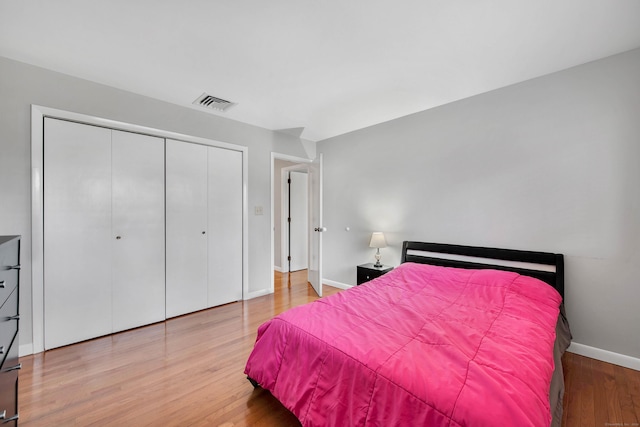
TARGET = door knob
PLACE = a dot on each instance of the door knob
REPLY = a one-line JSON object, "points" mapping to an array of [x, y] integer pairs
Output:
{"points": [[320, 229], [118, 237]]}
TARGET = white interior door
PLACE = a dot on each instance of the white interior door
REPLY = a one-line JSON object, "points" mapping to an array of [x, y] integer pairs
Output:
{"points": [[225, 226], [187, 235], [77, 232], [315, 225], [299, 220], [138, 287]]}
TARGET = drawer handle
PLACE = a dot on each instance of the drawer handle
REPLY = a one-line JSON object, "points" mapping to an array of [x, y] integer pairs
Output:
{"points": [[14, 267], [14, 418], [16, 317], [1, 284], [14, 368]]}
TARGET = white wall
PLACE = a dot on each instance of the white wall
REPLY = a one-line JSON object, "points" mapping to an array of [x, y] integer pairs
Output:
{"points": [[551, 164], [22, 85]]}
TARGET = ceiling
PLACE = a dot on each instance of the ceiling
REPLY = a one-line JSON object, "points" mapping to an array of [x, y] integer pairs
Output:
{"points": [[330, 66]]}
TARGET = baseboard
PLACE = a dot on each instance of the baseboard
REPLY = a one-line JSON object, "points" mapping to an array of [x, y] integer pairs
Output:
{"points": [[257, 294], [336, 284], [605, 356], [278, 269], [25, 349]]}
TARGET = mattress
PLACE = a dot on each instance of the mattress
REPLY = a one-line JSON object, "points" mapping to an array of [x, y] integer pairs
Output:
{"points": [[421, 345]]}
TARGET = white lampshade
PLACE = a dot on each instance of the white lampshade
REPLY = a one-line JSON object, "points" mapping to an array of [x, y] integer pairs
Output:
{"points": [[377, 240]]}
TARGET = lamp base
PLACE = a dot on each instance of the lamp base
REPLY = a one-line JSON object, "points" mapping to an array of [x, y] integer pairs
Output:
{"points": [[377, 256]]}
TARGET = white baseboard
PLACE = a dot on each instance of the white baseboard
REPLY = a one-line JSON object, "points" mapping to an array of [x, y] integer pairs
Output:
{"points": [[25, 349], [278, 269], [336, 284], [257, 294], [605, 356]]}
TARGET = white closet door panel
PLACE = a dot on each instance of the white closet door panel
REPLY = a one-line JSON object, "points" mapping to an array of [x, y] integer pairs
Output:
{"points": [[137, 235], [225, 226], [186, 192], [77, 232]]}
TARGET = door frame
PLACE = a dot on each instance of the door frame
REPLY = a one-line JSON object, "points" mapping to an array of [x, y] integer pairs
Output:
{"points": [[302, 165], [38, 113], [284, 226]]}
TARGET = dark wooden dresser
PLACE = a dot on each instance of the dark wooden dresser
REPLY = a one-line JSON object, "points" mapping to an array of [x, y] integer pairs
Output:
{"points": [[9, 320]]}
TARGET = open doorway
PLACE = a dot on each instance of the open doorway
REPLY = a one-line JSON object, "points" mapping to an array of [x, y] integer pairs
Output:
{"points": [[282, 167], [294, 218]]}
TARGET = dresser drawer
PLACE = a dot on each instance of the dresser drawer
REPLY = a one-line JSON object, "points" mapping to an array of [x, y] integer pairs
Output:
{"points": [[9, 266], [9, 397], [9, 321], [8, 327]]}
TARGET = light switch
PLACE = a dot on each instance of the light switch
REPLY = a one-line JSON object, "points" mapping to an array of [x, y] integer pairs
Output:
{"points": [[258, 210]]}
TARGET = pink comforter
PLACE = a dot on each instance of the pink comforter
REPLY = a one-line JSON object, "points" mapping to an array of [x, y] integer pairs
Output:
{"points": [[419, 346]]}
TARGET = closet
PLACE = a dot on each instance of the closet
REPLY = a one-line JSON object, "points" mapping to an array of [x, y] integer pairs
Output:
{"points": [[116, 256], [204, 226]]}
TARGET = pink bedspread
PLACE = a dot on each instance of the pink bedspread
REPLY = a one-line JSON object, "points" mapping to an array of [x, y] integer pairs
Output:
{"points": [[419, 346]]}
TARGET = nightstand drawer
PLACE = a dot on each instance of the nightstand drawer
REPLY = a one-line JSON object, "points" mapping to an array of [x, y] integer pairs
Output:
{"points": [[365, 276], [368, 272]]}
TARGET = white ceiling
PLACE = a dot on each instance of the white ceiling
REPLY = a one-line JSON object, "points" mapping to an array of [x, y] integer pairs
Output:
{"points": [[330, 66]]}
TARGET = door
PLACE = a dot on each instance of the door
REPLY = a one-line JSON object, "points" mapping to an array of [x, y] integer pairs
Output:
{"points": [[137, 207], [225, 226], [298, 238], [204, 227], [187, 235], [103, 231], [77, 232], [315, 224]]}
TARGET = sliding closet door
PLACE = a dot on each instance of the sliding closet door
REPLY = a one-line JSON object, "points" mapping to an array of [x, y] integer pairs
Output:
{"points": [[77, 232], [137, 235], [225, 226], [186, 188]]}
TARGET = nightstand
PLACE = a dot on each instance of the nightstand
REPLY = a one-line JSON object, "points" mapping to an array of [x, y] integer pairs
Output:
{"points": [[368, 272]]}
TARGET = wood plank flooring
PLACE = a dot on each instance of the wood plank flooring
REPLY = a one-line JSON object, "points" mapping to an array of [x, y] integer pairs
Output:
{"points": [[187, 371], [599, 394]]}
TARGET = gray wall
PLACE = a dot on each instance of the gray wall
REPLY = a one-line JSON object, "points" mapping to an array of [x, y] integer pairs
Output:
{"points": [[22, 85], [551, 164]]}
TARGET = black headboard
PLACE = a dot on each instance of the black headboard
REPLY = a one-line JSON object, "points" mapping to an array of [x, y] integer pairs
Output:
{"points": [[484, 258]]}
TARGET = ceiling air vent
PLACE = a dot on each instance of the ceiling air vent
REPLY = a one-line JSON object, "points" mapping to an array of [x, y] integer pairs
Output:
{"points": [[213, 103]]}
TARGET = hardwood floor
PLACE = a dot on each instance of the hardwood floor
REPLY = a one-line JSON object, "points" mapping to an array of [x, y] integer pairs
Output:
{"points": [[599, 394], [187, 371]]}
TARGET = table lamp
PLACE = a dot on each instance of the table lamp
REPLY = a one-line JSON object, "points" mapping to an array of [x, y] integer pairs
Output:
{"points": [[377, 241]]}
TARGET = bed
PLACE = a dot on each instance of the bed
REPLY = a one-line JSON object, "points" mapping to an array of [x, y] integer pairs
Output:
{"points": [[454, 336]]}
